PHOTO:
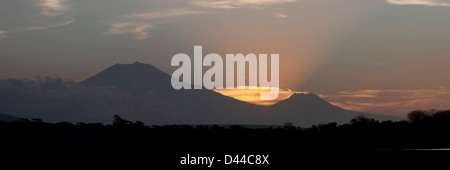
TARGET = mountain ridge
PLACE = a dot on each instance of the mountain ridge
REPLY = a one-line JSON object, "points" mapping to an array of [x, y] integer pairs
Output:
{"points": [[288, 108], [143, 92], [8, 118]]}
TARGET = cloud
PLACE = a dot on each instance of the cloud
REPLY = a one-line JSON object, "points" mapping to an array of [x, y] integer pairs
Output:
{"points": [[360, 93], [420, 2], [228, 4], [155, 15], [254, 95], [38, 27], [49, 8], [2, 33], [140, 31], [392, 101], [280, 15], [139, 24], [43, 27], [53, 7]]}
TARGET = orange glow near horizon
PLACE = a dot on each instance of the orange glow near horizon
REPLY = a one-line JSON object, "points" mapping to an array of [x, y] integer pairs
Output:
{"points": [[254, 95]]}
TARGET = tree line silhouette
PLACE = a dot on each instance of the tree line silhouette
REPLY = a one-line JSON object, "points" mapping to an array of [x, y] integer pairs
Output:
{"points": [[423, 130]]}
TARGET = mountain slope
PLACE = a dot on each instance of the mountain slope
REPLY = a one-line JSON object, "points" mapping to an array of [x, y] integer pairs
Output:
{"points": [[142, 92], [7, 118], [186, 106], [307, 107], [205, 106], [135, 78]]}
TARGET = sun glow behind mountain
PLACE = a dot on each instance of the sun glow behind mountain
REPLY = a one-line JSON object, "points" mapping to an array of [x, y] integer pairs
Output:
{"points": [[254, 95]]}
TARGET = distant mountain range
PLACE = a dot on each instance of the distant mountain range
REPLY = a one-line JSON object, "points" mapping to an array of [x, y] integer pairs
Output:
{"points": [[142, 92]]}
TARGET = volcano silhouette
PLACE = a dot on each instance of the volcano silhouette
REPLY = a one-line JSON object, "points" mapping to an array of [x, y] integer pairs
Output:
{"points": [[142, 92]]}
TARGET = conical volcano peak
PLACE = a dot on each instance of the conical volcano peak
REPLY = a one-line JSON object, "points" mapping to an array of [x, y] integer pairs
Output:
{"points": [[295, 95], [137, 63], [303, 95], [137, 77], [303, 98]]}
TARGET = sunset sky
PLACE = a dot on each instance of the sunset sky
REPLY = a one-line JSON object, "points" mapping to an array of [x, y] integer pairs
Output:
{"points": [[378, 56]]}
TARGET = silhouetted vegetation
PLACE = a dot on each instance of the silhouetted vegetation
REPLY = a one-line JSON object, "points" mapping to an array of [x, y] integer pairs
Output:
{"points": [[361, 133], [424, 129]]}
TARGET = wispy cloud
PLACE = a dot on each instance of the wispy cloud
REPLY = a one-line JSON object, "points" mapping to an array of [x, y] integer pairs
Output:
{"points": [[139, 24], [228, 4], [49, 8], [3, 33], [420, 2], [139, 30], [280, 15], [164, 14], [360, 93], [43, 27], [391, 101], [53, 7]]}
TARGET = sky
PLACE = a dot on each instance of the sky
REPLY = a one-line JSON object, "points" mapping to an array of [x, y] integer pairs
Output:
{"points": [[378, 56]]}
